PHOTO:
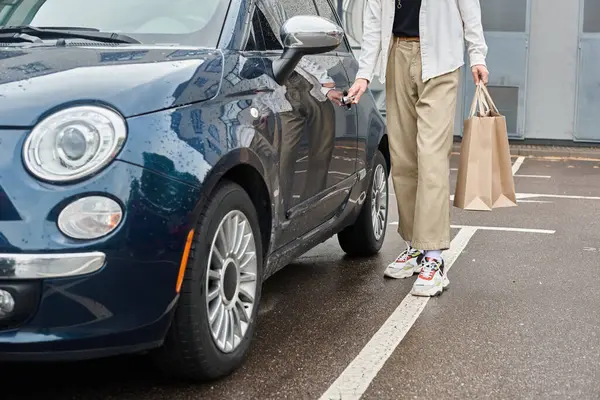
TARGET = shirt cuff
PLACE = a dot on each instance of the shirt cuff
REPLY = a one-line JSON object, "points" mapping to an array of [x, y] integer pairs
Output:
{"points": [[326, 90], [364, 75], [477, 59]]}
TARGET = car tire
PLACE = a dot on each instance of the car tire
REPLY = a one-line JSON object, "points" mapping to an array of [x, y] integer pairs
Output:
{"points": [[192, 350], [364, 238]]}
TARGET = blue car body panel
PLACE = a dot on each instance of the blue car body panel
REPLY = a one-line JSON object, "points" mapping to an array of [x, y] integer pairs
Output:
{"points": [[190, 123]]}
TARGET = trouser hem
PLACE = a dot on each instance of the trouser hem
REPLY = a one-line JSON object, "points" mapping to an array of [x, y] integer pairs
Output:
{"points": [[442, 245]]}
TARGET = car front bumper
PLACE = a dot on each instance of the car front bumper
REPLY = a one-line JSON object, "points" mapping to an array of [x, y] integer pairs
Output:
{"points": [[76, 299]]}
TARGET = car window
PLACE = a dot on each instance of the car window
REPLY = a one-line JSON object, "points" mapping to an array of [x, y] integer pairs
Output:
{"points": [[254, 42], [269, 39], [326, 11], [190, 22], [298, 7]]}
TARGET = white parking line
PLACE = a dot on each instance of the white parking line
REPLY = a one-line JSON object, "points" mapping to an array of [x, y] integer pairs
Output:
{"points": [[525, 196], [357, 377], [517, 165], [497, 228], [535, 201], [534, 176], [520, 175], [555, 196], [504, 229]]}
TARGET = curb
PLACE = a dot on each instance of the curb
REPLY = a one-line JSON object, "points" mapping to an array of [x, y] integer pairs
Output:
{"points": [[587, 153]]}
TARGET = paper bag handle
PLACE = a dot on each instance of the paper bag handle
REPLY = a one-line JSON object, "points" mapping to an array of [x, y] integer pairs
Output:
{"points": [[488, 99], [484, 100], [479, 102]]}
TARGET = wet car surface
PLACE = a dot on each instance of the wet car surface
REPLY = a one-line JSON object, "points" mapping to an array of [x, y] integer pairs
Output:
{"points": [[158, 165]]}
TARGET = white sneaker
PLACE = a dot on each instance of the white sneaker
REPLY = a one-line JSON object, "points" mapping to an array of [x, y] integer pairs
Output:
{"points": [[432, 280], [406, 265]]}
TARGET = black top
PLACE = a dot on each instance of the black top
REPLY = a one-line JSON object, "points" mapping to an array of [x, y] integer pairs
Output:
{"points": [[406, 20]]}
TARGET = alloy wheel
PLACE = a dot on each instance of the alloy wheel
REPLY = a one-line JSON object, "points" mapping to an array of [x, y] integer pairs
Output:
{"points": [[231, 281], [379, 206]]}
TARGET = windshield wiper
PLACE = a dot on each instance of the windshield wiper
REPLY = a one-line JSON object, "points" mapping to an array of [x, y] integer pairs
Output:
{"points": [[16, 33]]}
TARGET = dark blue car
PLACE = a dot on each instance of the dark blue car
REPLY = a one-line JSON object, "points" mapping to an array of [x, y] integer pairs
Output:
{"points": [[160, 160]]}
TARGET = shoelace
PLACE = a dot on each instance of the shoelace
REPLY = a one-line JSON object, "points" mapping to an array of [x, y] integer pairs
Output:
{"points": [[404, 256], [429, 269]]}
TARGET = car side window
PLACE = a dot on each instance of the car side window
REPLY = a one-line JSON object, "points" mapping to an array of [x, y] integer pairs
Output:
{"points": [[298, 7], [269, 39], [326, 11], [255, 37]]}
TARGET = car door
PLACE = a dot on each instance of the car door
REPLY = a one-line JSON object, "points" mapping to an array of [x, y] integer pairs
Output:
{"points": [[350, 65], [316, 138]]}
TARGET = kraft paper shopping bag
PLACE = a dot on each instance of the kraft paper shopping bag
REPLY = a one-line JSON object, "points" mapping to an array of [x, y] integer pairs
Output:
{"points": [[485, 178]]}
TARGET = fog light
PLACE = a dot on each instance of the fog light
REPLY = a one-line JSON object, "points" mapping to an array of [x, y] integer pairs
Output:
{"points": [[7, 303], [90, 218]]}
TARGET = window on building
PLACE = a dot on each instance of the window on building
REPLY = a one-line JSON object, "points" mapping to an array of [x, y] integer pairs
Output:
{"points": [[507, 100], [591, 16], [504, 16]]}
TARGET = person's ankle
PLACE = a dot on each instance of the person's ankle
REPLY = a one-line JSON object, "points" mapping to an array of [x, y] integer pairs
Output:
{"points": [[435, 254]]}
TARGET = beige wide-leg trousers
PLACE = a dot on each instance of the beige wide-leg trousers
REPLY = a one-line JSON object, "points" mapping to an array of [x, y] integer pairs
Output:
{"points": [[420, 123]]}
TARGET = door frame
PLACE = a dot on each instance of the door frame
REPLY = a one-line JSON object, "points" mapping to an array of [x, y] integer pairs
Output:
{"points": [[579, 77], [464, 102]]}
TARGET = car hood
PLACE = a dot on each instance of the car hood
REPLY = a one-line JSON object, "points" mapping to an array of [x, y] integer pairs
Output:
{"points": [[134, 80]]}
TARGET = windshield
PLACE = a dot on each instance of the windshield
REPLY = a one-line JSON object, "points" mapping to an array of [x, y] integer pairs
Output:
{"points": [[183, 22]]}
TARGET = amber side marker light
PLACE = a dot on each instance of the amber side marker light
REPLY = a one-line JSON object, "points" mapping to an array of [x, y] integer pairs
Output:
{"points": [[184, 260]]}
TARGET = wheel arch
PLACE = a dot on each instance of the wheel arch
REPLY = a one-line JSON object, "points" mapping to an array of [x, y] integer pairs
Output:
{"points": [[384, 148], [243, 167]]}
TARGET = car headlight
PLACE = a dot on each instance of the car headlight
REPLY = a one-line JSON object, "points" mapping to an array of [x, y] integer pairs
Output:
{"points": [[90, 218], [74, 143]]}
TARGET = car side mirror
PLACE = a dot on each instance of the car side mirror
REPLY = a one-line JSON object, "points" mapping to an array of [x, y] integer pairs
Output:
{"points": [[303, 35]]}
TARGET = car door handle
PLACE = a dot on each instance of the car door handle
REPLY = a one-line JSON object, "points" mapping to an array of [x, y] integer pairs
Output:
{"points": [[347, 100]]}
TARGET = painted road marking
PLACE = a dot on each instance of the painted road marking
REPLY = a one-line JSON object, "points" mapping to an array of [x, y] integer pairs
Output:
{"points": [[524, 196], [520, 175], [535, 201], [534, 176], [357, 377], [505, 229], [517, 165], [555, 196], [497, 228]]}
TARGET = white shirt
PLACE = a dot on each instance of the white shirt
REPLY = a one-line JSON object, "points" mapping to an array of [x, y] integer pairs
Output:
{"points": [[444, 26]]}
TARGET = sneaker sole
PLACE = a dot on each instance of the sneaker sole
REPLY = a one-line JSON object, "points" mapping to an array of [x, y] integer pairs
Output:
{"points": [[401, 274], [395, 273], [431, 291]]}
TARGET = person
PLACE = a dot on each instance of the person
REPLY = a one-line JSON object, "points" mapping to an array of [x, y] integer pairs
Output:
{"points": [[416, 47]]}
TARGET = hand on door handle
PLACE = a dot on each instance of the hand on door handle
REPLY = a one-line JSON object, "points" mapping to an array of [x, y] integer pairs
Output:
{"points": [[347, 100], [336, 97]]}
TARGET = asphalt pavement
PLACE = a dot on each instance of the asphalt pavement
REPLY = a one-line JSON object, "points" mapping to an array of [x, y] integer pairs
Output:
{"points": [[519, 320]]}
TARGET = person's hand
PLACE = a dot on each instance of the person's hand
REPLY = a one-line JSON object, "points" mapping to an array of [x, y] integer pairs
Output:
{"points": [[336, 97], [480, 74], [359, 87]]}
